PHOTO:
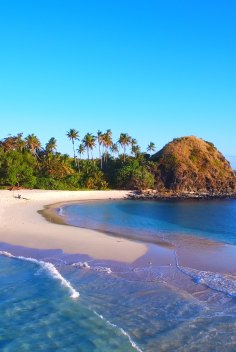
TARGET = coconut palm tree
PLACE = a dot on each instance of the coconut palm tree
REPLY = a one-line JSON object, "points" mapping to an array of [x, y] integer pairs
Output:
{"points": [[81, 150], [133, 142], [49, 151], [107, 142], [59, 166], [114, 148], [21, 144], [151, 147], [100, 141], [73, 135], [89, 142], [124, 141], [135, 150], [51, 145], [14, 143], [33, 144]]}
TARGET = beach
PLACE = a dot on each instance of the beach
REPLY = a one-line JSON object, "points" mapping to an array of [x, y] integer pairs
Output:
{"points": [[22, 225], [126, 272], [32, 221]]}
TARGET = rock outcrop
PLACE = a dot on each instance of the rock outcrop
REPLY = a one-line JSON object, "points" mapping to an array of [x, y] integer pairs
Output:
{"points": [[192, 165]]}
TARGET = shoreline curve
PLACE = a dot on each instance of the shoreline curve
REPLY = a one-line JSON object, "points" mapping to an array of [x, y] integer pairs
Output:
{"points": [[23, 225]]}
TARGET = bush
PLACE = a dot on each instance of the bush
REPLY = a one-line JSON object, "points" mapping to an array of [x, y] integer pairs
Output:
{"points": [[51, 183], [18, 169], [134, 176]]}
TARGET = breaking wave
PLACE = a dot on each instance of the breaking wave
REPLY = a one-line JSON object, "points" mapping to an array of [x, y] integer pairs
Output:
{"points": [[50, 268]]}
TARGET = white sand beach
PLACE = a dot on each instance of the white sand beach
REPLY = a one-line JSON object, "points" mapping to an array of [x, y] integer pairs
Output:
{"points": [[21, 224]]}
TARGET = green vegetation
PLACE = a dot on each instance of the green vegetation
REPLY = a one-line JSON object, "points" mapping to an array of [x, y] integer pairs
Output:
{"points": [[24, 162], [186, 164]]}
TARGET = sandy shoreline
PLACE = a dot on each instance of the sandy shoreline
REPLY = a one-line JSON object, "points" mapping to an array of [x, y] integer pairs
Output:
{"points": [[21, 224]]}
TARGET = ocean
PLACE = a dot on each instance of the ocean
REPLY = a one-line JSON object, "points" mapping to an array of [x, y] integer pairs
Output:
{"points": [[53, 301]]}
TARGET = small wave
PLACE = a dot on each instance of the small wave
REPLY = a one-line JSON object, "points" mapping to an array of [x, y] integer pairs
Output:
{"points": [[103, 269], [133, 344], [7, 254], [82, 265], [49, 267], [219, 282], [85, 265]]}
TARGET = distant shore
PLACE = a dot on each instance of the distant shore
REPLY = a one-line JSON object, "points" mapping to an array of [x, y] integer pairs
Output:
{"points": [[22, 225], [175, 195]]}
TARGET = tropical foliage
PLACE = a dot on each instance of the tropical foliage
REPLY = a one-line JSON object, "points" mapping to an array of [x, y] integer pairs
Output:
{"points": [[24, 162]]}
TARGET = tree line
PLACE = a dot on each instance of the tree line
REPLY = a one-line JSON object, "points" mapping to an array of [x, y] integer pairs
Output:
{"points": [[25, 162]]}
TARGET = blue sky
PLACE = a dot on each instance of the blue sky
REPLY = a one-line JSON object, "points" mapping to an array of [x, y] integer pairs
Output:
{"points": [[154, 69]]}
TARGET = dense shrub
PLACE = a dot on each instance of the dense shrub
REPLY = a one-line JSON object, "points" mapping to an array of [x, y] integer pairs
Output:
{"points": [[134, 176], [17, 169]]}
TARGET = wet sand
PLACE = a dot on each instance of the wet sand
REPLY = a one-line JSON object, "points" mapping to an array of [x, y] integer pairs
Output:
{"points": [[22, 225]]}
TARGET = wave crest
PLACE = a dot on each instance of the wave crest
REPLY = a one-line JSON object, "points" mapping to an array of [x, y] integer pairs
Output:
{"points": [[219, 282], [50, 268], [133, 344]]}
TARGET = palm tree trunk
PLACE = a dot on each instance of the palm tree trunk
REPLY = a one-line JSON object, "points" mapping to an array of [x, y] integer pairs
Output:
{"points": [[73, 143], [100, 156]]}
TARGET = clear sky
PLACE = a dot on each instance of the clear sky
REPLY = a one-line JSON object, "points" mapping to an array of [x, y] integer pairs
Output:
{"points": [[154, 69]]}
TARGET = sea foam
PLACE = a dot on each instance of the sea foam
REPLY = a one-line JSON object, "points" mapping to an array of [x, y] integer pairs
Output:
{"points": [[219, 282], [50, 268], [60, 211], [85, 265], [224, 283]]}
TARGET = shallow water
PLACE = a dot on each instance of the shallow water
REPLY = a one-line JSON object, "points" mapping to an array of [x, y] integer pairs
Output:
{"points": [[211, 219], [38, 313], [139, 307]]}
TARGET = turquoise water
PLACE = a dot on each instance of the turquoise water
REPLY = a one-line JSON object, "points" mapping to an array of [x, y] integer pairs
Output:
{"points": [[51, 301], [215, 219], [38, 313]]}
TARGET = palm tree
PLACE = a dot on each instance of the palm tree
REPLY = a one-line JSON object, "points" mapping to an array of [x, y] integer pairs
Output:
{"points": [[21, 144], [33, 144], [81, 150], [65, 158], [50, 148], [14, 143], [114, 148], [89, 143], [59, 166], [107, 142], [100, 141], [124, 141], [73, 135], [151, 147], [135, 150], [133, 142], [51, 145]]}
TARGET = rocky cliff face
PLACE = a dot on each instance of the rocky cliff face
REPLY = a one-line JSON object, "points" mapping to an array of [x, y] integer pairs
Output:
{"points": [[190, 164]]}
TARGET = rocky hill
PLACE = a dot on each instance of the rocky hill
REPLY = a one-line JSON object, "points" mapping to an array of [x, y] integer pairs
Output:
{"points": [[190, 164]]}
